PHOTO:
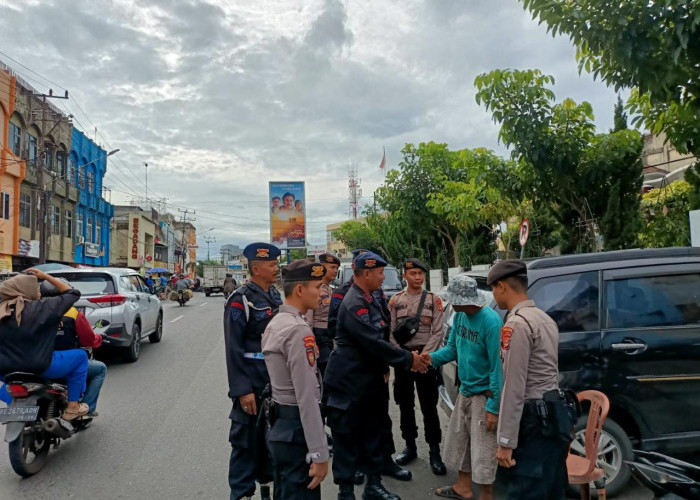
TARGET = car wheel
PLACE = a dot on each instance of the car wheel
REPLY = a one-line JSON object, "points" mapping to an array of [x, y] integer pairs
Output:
{"points": [[134, 350], [157, 335], [207, 294], [614, 448]]}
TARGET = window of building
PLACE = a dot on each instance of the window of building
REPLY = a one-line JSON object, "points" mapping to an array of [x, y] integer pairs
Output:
{"points": [[88, 236], [25, 210], [32, 147], [61, 165], [36, 211], [98, 232], [69, 224], [571, 301], [653, 301], [15, 138], [78, 225], [48, 157], [5, 206], [56, 219], [81, 178], [91, 181]]}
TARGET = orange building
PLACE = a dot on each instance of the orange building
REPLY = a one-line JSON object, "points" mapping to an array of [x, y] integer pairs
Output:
{"points": [[12, 171]]}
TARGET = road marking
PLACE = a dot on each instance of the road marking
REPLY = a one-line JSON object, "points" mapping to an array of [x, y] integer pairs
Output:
{"points": [[202, 305], [178, 318]]}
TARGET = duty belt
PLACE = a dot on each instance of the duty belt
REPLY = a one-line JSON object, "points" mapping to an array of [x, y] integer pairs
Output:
{"points": [[288, 412], [254, 355]]}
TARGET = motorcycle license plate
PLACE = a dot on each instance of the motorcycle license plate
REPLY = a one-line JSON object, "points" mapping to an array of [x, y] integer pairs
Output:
{"points": [[19, 414]]}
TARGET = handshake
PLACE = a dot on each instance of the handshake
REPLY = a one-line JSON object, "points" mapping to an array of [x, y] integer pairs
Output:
{"points": [[421, 362]]}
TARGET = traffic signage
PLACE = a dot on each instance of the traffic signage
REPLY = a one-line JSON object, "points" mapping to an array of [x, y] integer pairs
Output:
{"points": [[524, 232]]}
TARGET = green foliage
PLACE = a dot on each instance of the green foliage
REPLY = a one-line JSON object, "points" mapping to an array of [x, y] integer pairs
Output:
{"points": [[619, 116], [651, 46], [202, 263], [665, 212], [692, 177], [358, 234]]}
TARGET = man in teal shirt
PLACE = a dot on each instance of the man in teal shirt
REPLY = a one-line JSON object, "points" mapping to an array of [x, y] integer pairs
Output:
{"points": [[475, 343]]}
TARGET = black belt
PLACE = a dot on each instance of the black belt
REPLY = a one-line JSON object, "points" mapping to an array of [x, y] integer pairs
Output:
{"points": [[288, 412], [539, 406]]}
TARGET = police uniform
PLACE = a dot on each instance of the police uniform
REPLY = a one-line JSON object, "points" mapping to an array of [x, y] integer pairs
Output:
{"points": [[529, 350], [427, 339], [357, 394], [296, 436], [247, 312], [318, 318]]}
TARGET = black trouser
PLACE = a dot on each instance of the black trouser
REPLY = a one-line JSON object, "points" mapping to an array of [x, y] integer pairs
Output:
{"points": [[359, 438], [540, 464], [244, 467], [427, 386], [288, 449], [325, 346]]}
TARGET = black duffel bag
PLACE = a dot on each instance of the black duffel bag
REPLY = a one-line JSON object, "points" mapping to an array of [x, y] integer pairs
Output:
{"points": [[408, 327]]}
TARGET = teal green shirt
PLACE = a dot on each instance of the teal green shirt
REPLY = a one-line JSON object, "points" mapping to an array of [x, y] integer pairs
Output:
{"points": [[475, 343]]}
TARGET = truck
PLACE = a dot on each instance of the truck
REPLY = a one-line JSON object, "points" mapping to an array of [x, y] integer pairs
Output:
{"points": [[213, 279]]}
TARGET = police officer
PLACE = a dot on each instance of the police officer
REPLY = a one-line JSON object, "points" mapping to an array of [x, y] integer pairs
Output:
{"points": [[247, 312], [533, 454], [357, 390], [297, 436], [339, 294], [427, 338], [318, 316]]}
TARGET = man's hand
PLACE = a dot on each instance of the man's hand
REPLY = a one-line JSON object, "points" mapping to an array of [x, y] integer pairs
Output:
{"points": [[387, 375], [318, 472], [491, 421], [248, 404], [419, 363], [40, 275], [504, 457]]}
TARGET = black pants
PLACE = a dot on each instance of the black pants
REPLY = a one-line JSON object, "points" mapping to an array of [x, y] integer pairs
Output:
{"points": [[427, 386], [288, 449], [540, 465], [244, 467]]}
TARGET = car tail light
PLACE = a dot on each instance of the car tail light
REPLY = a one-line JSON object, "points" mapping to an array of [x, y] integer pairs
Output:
{"points": [[18, 391], [108, 300]]}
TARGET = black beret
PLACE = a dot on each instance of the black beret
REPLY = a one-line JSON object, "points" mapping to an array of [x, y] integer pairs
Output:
{"points": [[358, 251], [415, 264], [369, 260], [506, 269], [328, 258], [261, 251], [302, 270]]}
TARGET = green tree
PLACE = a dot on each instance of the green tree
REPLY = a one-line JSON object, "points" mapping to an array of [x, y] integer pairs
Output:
{"points": [[619, 116], [665, 212], [358, 234], [692, 177]]}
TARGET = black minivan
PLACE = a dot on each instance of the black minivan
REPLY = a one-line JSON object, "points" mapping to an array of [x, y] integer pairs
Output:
{"points": [[629, 325]]}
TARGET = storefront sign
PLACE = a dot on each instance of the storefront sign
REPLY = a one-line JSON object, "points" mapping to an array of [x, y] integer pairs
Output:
{"points": [[135, 239], [5, 263], [92, 250]]}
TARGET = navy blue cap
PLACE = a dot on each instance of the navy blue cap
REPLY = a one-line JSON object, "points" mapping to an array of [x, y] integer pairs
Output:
{"points": [[261, 251], [358, 251], [369, 260]]}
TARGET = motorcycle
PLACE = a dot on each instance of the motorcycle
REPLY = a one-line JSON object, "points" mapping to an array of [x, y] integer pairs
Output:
{"points": [[667, 477], [33, 420], [181, 296]]}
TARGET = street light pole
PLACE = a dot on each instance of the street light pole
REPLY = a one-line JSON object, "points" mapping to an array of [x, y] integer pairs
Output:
{"points": [[146, 165]]}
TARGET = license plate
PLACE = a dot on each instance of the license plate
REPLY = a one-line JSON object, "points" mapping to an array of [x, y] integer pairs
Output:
{"points": [[19, 414]]}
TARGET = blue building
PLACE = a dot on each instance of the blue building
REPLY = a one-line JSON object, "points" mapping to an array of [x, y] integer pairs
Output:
{"points": [[88, 166]]}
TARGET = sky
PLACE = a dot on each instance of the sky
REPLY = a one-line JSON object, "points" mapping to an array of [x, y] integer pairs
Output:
{"points": [[221, 96]]}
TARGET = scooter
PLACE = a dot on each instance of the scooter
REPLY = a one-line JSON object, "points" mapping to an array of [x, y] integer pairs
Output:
{"points": [[33, 420], [668, 478]]}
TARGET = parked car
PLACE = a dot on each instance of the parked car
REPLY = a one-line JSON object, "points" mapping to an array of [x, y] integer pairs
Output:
{"points": [[119, 305], [629, 326], [393, 283]]}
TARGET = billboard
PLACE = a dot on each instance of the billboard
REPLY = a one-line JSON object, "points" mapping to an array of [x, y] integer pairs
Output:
{"points": [[287, 214]]}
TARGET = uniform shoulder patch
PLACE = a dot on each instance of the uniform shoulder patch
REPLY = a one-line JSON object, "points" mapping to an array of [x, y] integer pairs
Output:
{"points": [[310, 347], [363, 314], [506, 334], [438, 303]]}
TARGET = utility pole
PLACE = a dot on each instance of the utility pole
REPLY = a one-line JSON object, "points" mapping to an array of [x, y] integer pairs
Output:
{"points": [[146, 165], [208, 240], [354, 190], [44, 199]]}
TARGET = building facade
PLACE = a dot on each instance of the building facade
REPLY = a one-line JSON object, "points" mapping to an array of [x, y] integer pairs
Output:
{"points": [[93, 213], [662, 162], [133, 238]]}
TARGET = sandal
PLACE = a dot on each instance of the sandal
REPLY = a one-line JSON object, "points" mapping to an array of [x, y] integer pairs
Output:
{"points": [[81, 409], [449, 492]]}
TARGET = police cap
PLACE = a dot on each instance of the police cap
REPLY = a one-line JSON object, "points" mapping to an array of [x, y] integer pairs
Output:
{"points": [[506, 269], [261, 251], [369, 260], [415, 264], [328, 258], [358, 251], [302, 270]]}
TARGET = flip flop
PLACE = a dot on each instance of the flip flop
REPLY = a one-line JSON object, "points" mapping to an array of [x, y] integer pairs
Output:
{"points": [[449, 492]]}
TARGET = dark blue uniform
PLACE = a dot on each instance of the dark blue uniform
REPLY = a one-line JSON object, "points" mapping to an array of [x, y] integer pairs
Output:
{"points": [[354, 383], [248, 311]]}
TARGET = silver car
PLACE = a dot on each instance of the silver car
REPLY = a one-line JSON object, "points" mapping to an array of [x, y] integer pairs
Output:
{"points": [[119, 306]]}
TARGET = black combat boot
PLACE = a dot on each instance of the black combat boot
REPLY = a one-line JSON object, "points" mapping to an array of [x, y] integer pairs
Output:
{"points": [[359, 478], [375, 490], [409, 454], [392, 469], [346, 492], [436, 463], [265, 492]]}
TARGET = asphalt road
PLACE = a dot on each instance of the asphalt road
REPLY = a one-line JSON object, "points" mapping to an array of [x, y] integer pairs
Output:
{"points": [[163, 427]]}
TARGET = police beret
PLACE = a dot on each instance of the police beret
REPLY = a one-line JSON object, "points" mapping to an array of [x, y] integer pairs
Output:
{"points": [[415, 264], [302, 270], [506, 269], [261, 251], [369, 260], [328, 258], [358, 251]]}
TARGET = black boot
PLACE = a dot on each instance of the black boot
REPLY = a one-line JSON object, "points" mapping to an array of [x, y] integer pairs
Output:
{"points": [[359, 478], [436, 463], [265, 492], [346, 492], [409, 454], [375, 490], [392, 469]]}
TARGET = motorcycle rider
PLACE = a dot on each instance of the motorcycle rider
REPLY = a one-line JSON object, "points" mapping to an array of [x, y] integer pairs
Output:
{"points": [[182, 285], [75, 332], [28, 327]]}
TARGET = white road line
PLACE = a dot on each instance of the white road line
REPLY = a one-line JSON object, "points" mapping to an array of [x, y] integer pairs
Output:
{"points": [[178, 318], [202, 305]]}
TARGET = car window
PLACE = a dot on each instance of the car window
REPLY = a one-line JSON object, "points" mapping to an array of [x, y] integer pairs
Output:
{"points": [[126, 284], [571, 301], [143, 285], [652, 301], [90, 284], [135, 283], [392, 280]]}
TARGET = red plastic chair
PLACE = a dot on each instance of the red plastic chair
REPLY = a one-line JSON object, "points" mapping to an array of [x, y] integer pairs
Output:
{"points": [[583, 470]]}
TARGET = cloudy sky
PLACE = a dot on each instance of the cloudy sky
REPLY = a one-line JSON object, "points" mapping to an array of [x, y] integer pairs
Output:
{"points": [[221, 96]]}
